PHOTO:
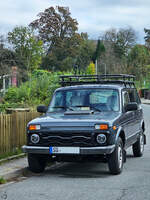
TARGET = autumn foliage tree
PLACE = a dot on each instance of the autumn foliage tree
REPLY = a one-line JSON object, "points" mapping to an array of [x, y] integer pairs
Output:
{"points": [[58, 30], [91, 69], [55, 25]]}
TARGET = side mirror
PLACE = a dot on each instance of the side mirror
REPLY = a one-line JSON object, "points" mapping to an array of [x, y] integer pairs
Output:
{"points": [[42, 109], [131, 106]]}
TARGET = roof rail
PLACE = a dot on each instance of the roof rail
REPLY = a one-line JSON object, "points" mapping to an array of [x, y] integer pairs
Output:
{"points": [[70, 80]]}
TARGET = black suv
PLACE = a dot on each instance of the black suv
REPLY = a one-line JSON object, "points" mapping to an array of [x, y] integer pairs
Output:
{"points": [[92, 117]]}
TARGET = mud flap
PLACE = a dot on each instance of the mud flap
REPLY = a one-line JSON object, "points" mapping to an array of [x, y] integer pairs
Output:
{"points": [[124, 156], [144, 138]]}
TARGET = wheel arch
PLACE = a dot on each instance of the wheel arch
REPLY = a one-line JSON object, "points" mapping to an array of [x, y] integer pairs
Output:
{"points": [[143, 129], [143, 125], [121, 134]]}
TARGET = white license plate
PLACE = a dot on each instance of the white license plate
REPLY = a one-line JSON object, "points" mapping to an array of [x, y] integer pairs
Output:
{"points": [[64, 150]]}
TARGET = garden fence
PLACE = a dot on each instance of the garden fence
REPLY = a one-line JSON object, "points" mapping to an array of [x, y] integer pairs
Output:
{"points": [[13, 130]]}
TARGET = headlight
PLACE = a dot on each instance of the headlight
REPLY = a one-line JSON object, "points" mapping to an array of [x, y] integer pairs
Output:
{"points": [[34, 127], [101, 126], [35, 138], [101, 138]]}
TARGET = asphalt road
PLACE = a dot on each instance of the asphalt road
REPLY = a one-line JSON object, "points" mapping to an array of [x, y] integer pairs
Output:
{"points": [[87, 181]]}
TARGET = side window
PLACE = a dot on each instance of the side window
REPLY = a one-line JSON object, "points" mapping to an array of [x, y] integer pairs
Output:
{"points": [[131, 96], [137, 98], [126, 99], [134, 96]]}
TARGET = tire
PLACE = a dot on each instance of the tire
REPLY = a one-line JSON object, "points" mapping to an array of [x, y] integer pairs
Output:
{"points": [[138, 147], [116, 159], [37, 163]]}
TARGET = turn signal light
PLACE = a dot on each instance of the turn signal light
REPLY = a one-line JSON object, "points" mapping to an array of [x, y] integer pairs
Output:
{"points": [[34, 127], [103, 127], [114, 128]]}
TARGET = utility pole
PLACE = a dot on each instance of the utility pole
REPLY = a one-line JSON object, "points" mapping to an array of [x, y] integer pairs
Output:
{"points": [[4, 85], [105, 68], [105, 72], [96, 66]]}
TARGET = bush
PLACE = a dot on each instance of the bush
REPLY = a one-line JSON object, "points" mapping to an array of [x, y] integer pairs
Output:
{"points": [[91, 69], [38, 90], [11, 95]]}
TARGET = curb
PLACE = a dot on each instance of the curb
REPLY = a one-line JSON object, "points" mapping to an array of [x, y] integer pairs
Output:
{"points": [[22, 172], [147, 103], [14, 174]]}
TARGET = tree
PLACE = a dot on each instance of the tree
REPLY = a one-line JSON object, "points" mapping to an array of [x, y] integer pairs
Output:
{"points": [[58, 30], [118, 44], [8, 59], [139, 59], [26, 46], [97, 55], [85, 53], [54, 25], [100, 49], [91, 69], [69, 57], [122, 40], [147, 37]]}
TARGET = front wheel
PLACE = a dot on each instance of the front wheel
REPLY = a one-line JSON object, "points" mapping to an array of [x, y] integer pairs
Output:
{"points": [[37, 163], [138, 147], [116, 159]]}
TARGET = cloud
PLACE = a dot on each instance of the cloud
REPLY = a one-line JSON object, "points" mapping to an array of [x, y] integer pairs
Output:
{"points": [[94, 16]]}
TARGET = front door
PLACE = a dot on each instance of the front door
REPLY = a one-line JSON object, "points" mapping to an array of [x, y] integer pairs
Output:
{"points": [[128, 120]]}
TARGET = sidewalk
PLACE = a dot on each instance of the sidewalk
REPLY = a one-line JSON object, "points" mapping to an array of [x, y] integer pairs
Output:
{"points": [[13, 168], [145, 101], [17, 167]]}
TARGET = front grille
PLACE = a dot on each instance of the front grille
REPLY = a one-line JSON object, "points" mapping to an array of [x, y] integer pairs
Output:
{"points": [[66, 139]]}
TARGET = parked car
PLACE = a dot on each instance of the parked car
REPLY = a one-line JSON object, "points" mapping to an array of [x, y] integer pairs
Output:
{"points": [[92, 117]]}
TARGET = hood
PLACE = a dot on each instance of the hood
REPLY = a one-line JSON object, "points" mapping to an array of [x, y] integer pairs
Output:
{"points": [[62, 120]]}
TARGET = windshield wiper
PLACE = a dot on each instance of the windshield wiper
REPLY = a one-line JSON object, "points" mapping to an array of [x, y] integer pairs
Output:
{"points": [[96, 109], [63, 107]]}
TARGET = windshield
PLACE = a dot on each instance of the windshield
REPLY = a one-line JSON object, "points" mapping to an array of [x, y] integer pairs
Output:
{"points": [[85, 99]]}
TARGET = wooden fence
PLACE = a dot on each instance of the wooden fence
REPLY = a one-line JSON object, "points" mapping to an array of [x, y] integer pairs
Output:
{"points": [[13, 130]]}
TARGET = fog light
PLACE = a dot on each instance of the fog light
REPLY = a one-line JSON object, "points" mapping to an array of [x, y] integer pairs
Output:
{"points": [[35, 138], [101, 138]]}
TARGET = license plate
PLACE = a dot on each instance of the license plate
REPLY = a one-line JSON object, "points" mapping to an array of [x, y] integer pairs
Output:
{"points": [[64, 150]]}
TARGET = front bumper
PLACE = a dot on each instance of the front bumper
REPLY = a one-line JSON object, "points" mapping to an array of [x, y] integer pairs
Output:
{"points": [[82, 150]]}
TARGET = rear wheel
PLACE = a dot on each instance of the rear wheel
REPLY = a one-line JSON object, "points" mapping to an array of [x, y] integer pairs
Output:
{"points": [[116, 159], [37, 163], [138, 147]]}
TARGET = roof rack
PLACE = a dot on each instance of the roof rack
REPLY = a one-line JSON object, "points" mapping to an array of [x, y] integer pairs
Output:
{"points": [[70, 80]]}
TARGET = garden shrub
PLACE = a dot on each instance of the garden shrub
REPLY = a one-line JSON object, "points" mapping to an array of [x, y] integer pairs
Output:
{"points": [[38, 90]]}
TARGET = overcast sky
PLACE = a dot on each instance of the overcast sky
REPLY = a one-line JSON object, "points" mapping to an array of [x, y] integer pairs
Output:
{"points": [[93, 16]]}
